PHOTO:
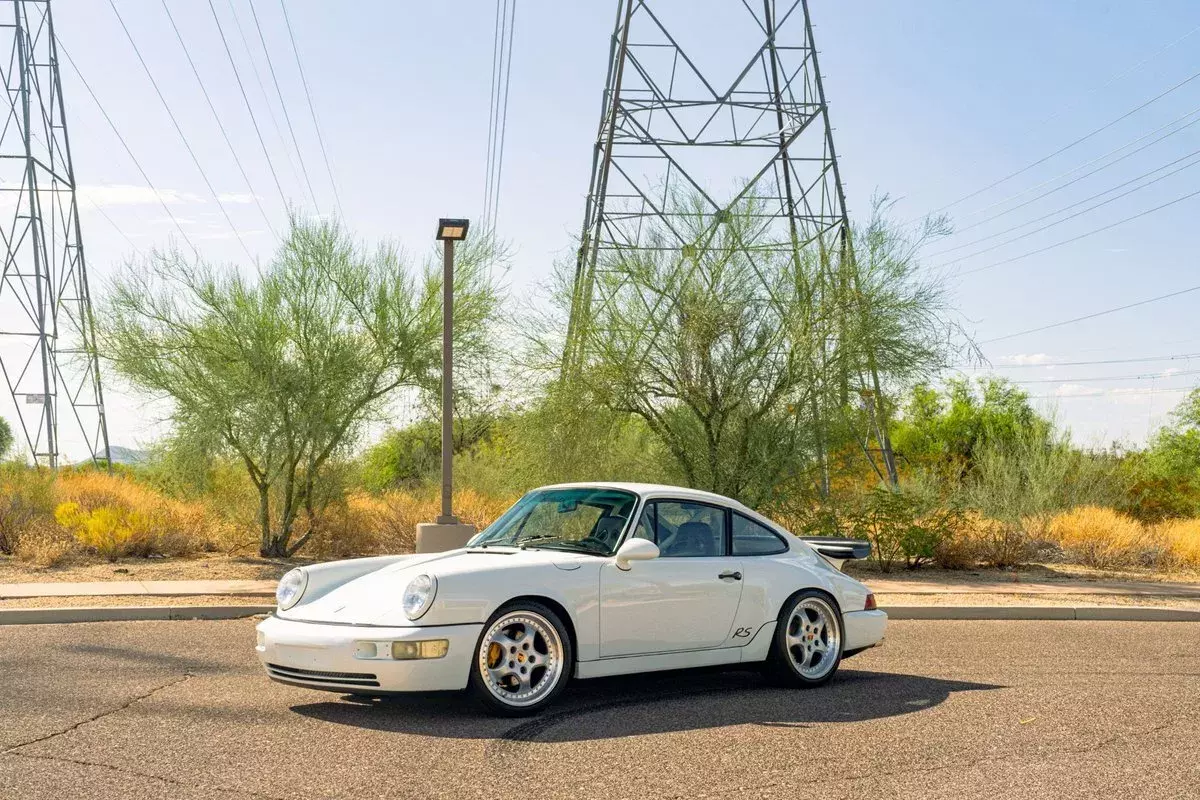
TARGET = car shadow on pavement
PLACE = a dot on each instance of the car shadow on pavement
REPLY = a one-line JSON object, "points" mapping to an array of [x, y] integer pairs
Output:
{"points": [[658, 703]]}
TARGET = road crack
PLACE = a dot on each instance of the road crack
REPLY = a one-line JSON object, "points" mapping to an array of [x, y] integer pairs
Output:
{"points": [[98, 716], [148, 775]]}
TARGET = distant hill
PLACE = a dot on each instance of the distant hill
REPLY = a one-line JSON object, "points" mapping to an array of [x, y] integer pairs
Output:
{"points": [[127, 455]]}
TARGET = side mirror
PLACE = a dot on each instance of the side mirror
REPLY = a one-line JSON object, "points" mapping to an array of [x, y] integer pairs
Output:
{"points": [[636, 550]]}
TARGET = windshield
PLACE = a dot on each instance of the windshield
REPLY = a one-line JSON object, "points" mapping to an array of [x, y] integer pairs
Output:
{"points": [[582, 520]]}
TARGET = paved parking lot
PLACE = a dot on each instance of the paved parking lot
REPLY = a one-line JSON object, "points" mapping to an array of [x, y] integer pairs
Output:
{"points": [[944, 710]]}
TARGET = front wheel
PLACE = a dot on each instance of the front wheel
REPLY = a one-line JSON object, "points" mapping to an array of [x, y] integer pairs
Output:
{"points": [[523, 660], [807, 645]]}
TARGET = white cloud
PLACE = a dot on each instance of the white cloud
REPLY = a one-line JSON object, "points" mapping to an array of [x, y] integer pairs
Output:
{"points": [[1169, 371], [1025, 358]]}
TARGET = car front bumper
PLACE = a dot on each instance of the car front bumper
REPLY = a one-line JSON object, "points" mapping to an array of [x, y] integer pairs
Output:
{"points": [[330, 657]]}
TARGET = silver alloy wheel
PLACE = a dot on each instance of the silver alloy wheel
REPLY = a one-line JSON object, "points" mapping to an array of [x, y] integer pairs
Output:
{"points": [[813, 637], [521, 658]]}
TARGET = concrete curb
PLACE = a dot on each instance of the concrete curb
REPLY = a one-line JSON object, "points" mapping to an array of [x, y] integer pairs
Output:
{"points": [[57, 616], [1080, 613]]}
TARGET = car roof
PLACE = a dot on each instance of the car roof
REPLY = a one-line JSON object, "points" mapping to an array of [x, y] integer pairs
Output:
{"points": [[655, 490]]}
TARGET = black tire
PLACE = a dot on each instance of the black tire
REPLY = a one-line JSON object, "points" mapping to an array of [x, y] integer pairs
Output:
{"points": [[496, 697], [782, 661]]}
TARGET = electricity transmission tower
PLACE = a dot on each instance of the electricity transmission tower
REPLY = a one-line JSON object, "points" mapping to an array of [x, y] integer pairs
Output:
{"points": [[745, 107], [46, 323]]}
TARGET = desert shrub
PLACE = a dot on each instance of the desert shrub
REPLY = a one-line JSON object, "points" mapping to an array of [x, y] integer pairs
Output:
{"points": [[958, 549], [43, 543], [999, 542], [26, 497], [1103, 538], [1181, 541], [365, 524], [117, 516], [109, 532]]}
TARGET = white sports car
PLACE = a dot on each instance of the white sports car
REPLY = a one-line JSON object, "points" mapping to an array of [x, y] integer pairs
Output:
{"points": [[576, 580]]}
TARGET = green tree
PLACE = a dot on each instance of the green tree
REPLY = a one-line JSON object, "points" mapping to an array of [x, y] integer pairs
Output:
{"points": [[951, 426], [1165, 478], [6, 437], [282, 369], [742, 357]]}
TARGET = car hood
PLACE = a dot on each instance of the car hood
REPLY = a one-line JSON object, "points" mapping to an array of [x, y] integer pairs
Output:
{"points": [[375, 598]]}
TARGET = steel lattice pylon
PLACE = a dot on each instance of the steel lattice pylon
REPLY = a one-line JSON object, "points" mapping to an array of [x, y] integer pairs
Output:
{"points": [[667, 125], [46, 323]]}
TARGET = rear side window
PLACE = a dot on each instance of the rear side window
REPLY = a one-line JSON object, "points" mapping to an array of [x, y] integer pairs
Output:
{"points": [[753, 539]]}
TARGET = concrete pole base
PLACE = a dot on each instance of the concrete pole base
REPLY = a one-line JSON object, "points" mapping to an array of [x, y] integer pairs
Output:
{"points": [[433, 537]]}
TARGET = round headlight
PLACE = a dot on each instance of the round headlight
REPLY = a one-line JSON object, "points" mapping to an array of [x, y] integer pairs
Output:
{"points": [[418, 596], [291, 589]]}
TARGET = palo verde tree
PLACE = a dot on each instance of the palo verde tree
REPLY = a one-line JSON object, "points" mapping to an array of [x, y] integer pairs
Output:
{"points": [[282, 367], [738, 353]]}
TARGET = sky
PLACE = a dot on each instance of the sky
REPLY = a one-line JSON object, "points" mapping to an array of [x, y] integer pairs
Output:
{"points": [[932, 102]]}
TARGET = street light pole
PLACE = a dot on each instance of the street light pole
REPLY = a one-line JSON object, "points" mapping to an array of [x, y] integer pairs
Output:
{"points": [[447, 533], [447, 517]]}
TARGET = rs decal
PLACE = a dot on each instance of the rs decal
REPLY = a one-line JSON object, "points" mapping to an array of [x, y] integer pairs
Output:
{"points": [[742, 633]]}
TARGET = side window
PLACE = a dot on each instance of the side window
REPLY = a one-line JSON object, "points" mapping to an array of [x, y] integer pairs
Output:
{"points": [[753, 539], [689, 529]]}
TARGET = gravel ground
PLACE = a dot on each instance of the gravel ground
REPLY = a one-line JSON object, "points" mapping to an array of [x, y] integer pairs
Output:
{"points": [[888, 599], [203, 567], [135, 600]]}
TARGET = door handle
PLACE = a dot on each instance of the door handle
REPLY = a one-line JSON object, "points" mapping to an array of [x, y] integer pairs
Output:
{"points": [[730, 574]]}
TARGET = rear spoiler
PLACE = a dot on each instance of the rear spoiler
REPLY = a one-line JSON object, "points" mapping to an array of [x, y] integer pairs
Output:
{"points": [[836, 550]]}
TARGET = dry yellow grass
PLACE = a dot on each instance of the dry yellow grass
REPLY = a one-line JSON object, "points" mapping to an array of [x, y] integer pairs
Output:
{"points": [[1104, 538], [372, 524], [116, 516], [1181, 540]]}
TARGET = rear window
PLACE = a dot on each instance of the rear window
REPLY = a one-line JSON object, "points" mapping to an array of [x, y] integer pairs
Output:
{"points": [[752, 539]]}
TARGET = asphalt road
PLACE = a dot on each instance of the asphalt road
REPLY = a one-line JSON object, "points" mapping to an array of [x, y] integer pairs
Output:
{"points": [[943, 710]]}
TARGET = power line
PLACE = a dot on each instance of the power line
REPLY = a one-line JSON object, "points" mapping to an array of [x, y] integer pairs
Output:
{"points": [[187, 145], [283, 104], [1082, 235], [1142, 376], [1178, 357], [311, 108], [217, 117], [1113, 79], [1066, 147], [1073, 170], [125, 145], [1107, 393], [1069, 207], [262, 90], [1093, 315], [498, 108], [246, 99], [496, 58]]}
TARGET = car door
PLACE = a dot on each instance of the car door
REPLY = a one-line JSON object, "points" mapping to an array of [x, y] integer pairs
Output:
{"points": [[687, 598]]}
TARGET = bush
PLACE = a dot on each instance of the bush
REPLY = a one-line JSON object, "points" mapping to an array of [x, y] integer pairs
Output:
{"points": [[44, 544], [1104, 539], [116, 516], [1181, 541], [26, 500], [366, 524], [109, 532], [999, 543]]}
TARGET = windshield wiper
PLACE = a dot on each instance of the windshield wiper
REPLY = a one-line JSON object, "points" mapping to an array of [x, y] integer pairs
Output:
{"points": [[575, 547]]}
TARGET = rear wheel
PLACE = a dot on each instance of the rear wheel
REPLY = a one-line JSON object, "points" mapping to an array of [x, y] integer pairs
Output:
{"points": [[523, 660], [807, 647]]}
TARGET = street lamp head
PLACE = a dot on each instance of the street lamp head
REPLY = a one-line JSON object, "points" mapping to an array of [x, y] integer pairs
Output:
{"points": [[454, 230]]}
